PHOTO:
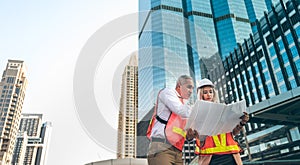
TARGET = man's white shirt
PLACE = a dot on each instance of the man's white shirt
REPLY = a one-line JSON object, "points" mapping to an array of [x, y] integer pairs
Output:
{"points": [[168, 101]]}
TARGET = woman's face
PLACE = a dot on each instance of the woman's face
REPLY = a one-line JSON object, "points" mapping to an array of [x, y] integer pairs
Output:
{"points": [[208, 93]]}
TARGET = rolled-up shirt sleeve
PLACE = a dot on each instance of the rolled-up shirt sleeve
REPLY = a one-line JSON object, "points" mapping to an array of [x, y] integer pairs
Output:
{"points": [[171, 100]]}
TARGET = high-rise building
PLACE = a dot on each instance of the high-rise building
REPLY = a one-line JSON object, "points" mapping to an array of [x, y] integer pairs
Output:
{"points": [[255, 67], [265, 72], [31, 124], [128, 110], [235, 20], [20, 149], [256, 9], [33, 141], [231, 23], [165, 50], [43, 147], [176, 35], [12, 93]]}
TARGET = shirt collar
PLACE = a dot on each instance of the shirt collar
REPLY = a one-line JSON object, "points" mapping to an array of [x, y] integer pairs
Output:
{"points": [[179, 96]]}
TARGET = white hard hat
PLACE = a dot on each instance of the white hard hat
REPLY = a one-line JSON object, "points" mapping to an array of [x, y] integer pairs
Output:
{"points": [[205, 82]]}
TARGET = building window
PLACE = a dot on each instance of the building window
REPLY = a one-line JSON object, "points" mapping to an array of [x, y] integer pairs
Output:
{"points": [[289, 38], [298, 31], [256, 69], [289, 71], [279, 76], [293, 83], [298, 65], [267, 76], [272, 51], [275, 63], [285, 58], [294, 51], [270, 87], [253, 84], [10, 80], [295, 134], [283, 88], [280, 44], [263, 95], [255, 97], [263, 63]]}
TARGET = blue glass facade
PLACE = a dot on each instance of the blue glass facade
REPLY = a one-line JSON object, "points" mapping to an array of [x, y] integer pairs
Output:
{"points": [[174, 35], [265, 66], [177, 35], [255, 9], [231, 23], [271, 56], [163, 52], [235, 20]]}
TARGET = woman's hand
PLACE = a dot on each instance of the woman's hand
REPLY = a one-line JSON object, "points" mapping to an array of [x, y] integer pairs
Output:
{"points": [[245, 118], [239, 127], [191, 134]]}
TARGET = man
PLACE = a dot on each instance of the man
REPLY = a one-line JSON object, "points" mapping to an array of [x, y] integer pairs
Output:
{"points": [[166, 129]]}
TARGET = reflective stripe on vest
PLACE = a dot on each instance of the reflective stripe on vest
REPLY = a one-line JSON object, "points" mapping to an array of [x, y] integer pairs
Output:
{"points": [[197, 146], [220, 146], [179, 131]]}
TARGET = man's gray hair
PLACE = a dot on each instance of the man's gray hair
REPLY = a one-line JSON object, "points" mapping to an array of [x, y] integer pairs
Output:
{"points": [[182, 79]]}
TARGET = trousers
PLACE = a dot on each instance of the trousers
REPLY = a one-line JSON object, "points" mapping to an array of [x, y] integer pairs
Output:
{"points": [[165, 154]]}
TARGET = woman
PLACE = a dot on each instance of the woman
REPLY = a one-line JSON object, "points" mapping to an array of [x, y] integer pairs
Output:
{"points": [[220, 147]]}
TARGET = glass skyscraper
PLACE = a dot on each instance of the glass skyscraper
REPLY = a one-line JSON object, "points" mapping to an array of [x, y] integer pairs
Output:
{"points": [[163, 51], [258, 44], [267, 63], [232, 24], [265, 71], [235, 21], [177, 36]]}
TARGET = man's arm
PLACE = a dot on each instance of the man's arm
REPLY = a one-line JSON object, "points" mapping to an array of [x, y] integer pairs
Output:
{"points": [[171, 100]]}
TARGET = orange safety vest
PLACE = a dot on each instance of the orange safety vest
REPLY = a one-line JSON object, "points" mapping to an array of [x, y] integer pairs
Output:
{"points": [[174, 129], [219, 144]]}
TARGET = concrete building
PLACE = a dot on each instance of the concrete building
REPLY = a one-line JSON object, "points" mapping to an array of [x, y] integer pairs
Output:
{"points": [[20, 149], [33, 141], [128, 111], [12, 94]]}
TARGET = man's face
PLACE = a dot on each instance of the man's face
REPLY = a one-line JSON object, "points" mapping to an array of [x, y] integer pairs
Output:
{"points": [[186, 89]]}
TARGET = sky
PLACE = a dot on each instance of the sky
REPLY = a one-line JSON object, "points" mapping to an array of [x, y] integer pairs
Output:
{"points": [[49, 36]]}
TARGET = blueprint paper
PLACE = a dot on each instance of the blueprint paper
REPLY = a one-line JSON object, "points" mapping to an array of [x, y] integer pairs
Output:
{"points": [[210, 118]]}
